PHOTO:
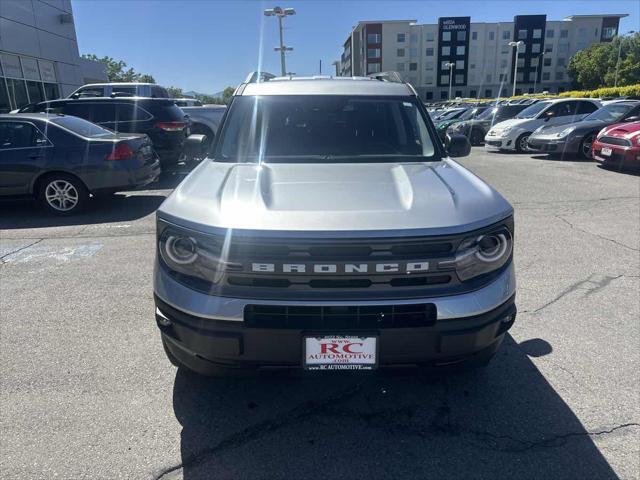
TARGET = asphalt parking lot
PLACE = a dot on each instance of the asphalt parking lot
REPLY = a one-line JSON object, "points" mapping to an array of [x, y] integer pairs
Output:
{"points": [[86, 391]]}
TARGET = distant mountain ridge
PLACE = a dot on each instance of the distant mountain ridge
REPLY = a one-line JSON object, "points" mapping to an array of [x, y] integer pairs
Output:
{"points": [[193, 93]]}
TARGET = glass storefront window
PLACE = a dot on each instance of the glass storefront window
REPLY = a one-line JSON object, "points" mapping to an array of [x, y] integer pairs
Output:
{"points": [[51, 91], [36, 91], [17, 92], [5, 106]]}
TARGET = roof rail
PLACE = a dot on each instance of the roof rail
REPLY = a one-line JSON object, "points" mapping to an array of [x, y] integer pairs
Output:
{"points": [[258, 76], [390, 76]]}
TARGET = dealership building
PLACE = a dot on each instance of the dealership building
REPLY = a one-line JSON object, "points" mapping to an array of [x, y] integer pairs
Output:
{"points": [[39, 58], [475, 59]]}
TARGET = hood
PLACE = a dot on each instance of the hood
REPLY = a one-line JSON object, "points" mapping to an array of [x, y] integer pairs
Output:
{"points": [[513, 122], [580, 127], [439, 197], [623, 130]]}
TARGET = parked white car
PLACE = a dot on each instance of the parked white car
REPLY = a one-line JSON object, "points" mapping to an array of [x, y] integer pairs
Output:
{"points": [[513, 134]]}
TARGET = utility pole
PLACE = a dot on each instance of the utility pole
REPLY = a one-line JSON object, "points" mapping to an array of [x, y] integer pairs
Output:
{"points": [[281, 13], [320, 66]]}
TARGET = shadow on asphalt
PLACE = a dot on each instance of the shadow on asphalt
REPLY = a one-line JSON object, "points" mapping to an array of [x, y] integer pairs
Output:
{"points": [[121, 207], [505, 421]]}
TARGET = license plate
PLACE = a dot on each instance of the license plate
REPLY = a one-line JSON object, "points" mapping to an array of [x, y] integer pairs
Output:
{"points": [[339, 352], [606, 151]]}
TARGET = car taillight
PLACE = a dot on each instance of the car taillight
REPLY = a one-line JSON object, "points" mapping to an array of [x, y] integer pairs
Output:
{"points": [[170, 126], [121, 151]]}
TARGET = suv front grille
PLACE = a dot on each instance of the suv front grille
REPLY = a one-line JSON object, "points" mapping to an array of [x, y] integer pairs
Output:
{"points": [[340, 317]]}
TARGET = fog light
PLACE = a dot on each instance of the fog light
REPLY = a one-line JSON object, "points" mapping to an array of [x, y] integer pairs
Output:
{"points": [[162, 320], [507, 319]]}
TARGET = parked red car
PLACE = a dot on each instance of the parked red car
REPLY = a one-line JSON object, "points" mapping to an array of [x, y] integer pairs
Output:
{"points": [[618, 145]]}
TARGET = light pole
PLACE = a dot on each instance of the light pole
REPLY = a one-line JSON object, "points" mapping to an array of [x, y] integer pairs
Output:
{"points": [[535, 79], [615, 82], [450, 66], [515, 64], [280, 13]]}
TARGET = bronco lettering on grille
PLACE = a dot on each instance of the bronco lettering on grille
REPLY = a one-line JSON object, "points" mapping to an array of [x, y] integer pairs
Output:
{"points": [[353, 268]]}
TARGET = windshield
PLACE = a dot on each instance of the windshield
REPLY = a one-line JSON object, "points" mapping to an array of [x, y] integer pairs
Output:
{"points": [[488, 113], [533, 110], [611, 112], [82, 127], [471, 113], [324, 127], [451, 114]]}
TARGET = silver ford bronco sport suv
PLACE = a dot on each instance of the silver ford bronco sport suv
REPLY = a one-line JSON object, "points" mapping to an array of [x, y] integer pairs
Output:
{"points": [[329, 229]]}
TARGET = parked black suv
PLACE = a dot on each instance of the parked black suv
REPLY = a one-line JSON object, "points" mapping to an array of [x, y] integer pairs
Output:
{"points": [[164, 122]]}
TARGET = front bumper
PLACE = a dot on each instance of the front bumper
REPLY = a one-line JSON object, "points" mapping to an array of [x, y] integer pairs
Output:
{"points": [[565, 145], [499, 142], [203, 328], [621, 157]]}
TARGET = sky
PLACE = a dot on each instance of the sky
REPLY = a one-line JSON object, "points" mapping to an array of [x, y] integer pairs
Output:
{"points": [[207, 45]]}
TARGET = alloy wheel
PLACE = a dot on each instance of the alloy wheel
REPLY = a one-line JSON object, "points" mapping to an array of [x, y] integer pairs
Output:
{"points": [[524, 146], [586, 146], [61, 195]]}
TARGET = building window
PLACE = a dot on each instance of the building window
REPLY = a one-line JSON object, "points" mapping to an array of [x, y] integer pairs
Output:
{"points": [[564, 33], [429, 52], [373, 67], [473, 93], [560, 62], [400, 67], [459, 64], [535, 48], [401, 38], [489, 78], [459, 79], [444, 78], [505, 48], [492, 35], [548, 48], [429, 96], [546, 76], [446, 36], [428, 80], [520, 62], [458, 94], [506, 35], [373, 53], [534, 61], [460, 50], [413, 66], [443, 95], [559, 75], [502, 77], [550, 33], [522, 34], [400, 52], [462, 35], [444, 65], [547, 62], [608, 33], [474, 36], [429, 66], [488, 93], [413, 52], [472, 66], [537, 33], [374, 38], [445, 51], [430, 37]]}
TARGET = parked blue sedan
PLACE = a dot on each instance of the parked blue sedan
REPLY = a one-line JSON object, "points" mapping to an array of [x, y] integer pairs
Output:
{"points": [[62, 160]]}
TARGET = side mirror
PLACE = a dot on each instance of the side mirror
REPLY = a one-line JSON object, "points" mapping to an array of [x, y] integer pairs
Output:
{"points": [[457, 145], [194, 146], [635, 118]]}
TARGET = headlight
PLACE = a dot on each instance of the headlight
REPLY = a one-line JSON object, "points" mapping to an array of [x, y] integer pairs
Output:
{"points": [[189, 253], [565, 132], [483, 253]]}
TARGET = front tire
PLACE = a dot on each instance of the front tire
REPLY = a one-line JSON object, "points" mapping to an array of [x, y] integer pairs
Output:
{"points": [[521, 143], [585, 147], [63, 194]]}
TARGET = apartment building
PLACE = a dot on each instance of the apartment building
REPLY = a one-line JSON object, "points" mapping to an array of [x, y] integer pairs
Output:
{"points": [[39, 58], [475, 59]]}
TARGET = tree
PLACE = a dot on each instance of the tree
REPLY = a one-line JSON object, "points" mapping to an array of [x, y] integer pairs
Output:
{"points": [[595, 67], [175, 92], [227, 93], [117, 70]]}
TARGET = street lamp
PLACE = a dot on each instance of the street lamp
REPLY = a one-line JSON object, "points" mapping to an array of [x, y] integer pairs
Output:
{"points": [[535, 79], [280, 13], [450, 66], [515, 64], [615, 82]]}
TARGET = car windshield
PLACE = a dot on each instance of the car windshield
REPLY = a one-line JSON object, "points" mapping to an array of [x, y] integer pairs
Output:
{"points": [[326, 128], [533, 110], [610, 113], [488, 113], [82, 127], [451, 114], [471, 113]]}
